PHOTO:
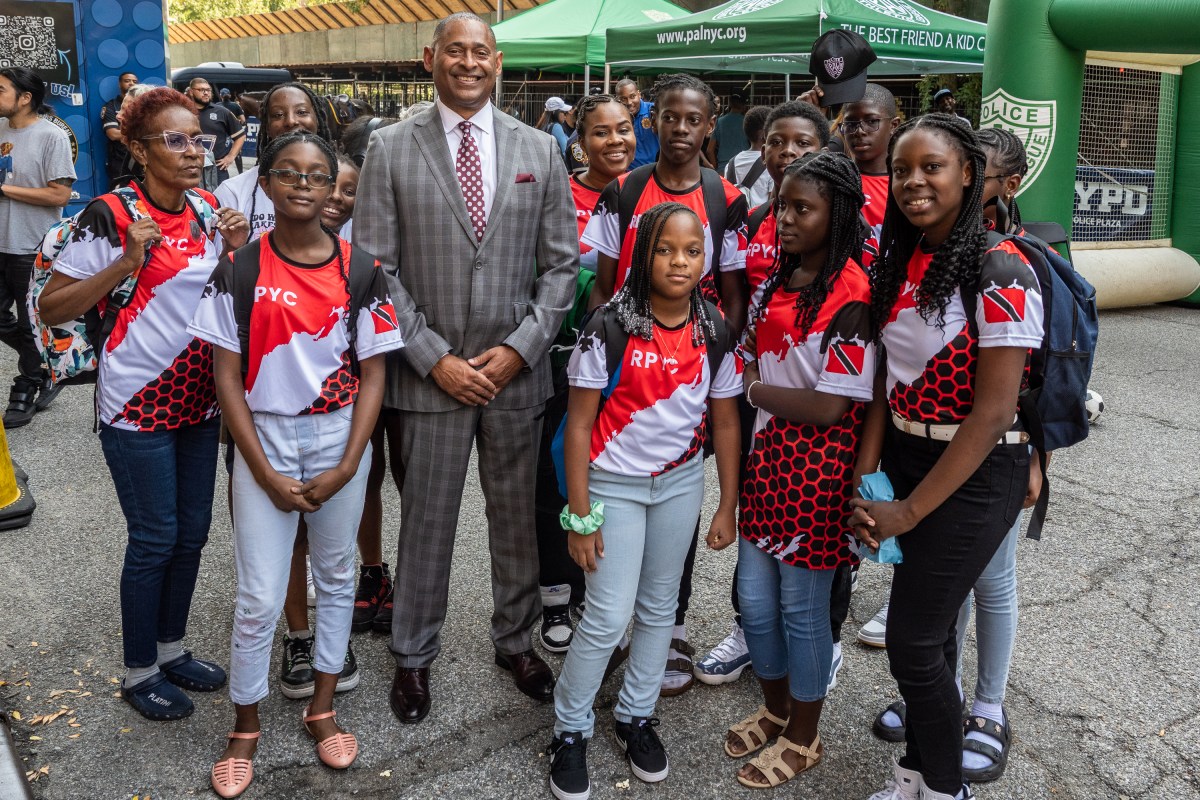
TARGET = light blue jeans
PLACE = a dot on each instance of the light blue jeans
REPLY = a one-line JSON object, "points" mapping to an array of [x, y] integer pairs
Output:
{"points": [[648, 526], [995, 595], [785, 616], [302, 448]]}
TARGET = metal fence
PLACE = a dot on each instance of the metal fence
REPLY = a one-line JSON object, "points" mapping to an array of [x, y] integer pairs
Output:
{"points": [[1126, 154]]}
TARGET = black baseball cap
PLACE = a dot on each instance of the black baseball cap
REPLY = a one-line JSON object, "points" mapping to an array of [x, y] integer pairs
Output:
{"points": [[839, 60]]}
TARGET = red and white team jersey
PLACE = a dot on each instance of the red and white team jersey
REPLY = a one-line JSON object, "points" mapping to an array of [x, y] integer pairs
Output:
{"points": [[585, 199], [798, 479], [603, 230], [875, 194], [299, 361], [656, 416], [154, 375], [760, 256], [931, 368]]}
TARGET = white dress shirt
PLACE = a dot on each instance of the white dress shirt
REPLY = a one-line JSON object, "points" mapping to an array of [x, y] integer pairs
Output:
{"points": [[482, 128]]}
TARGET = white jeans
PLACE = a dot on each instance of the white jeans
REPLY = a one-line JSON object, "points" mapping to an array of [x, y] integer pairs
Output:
{"points": [[263, 536]]}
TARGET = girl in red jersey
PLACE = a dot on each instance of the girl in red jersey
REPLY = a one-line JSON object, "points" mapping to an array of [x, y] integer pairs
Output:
{"points": [[632, 455], [957, 321], [302, 415], [812, 376], [155, 399], [606, 138]]}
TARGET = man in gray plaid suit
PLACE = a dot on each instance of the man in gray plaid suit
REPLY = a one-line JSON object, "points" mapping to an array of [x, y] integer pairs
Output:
{"points": [[471, 212]]}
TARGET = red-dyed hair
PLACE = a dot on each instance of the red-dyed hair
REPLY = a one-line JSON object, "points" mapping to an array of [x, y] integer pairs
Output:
{"points": [[137, 114]]}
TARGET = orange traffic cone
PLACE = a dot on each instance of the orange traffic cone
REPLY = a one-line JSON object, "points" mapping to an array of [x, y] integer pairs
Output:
{"points": [[16, 503]]}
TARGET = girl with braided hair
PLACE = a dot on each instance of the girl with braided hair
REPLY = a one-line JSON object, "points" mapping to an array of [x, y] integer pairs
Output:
{"points": [[286, 108], [632, 443], [957, 320], [810, 380], [1006, 168], [299, 363], [607, 143]]}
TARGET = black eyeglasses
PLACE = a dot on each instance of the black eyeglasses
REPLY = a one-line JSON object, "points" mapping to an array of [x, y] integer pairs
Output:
{"points": [[179, 142], [290, 177], [868, 125], [994, 177]]}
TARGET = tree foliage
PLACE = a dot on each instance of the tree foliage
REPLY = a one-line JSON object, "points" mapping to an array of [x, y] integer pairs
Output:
{"points": [[196, 10]]}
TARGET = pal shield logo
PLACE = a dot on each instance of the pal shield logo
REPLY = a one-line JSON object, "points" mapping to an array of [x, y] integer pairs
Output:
{"points": [[833, 66], [896, 9], [1033, 121], [745, 7]]}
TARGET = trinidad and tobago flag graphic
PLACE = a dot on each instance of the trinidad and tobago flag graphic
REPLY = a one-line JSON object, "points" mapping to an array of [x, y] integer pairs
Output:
{"points": [[384, 316], [846, 358], [1004, 305]]}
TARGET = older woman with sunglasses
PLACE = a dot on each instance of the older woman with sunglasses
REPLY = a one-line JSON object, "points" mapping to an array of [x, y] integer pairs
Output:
{"points": [[155, 397]]}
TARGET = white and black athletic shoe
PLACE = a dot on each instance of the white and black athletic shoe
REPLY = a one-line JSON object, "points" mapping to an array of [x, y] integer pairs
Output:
{"points": [[643, 748], [568, 767]]}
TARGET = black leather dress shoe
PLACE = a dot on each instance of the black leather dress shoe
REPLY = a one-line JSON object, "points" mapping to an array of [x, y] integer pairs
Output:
{"points": [[410, 694], [532, 676]]}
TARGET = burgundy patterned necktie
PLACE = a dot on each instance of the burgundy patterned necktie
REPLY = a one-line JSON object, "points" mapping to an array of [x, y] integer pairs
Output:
{"points": [[469, 170]]}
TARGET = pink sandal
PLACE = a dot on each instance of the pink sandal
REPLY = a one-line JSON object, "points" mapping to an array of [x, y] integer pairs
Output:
{"points": [[339, 750], [232, 776]]}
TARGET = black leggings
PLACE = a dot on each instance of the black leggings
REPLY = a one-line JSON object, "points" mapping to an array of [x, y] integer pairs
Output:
{"points": [[943, 557]]}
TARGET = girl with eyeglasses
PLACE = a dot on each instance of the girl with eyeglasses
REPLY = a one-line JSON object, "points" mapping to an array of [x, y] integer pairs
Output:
{"points": [[299, 371], [156, 400]]}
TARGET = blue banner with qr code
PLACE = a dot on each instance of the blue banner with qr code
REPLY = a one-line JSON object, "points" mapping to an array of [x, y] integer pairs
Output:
{"points": [[1112, 205]]}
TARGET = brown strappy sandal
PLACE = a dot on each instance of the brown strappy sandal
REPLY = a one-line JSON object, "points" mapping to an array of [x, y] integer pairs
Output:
{"points": [[772, 766], [752, 726]]}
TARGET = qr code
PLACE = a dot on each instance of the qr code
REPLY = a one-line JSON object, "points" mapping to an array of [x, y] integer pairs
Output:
{"points": [[28, 42]]}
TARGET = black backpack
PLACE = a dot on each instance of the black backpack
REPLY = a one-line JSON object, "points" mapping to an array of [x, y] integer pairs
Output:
{"points": [[245, 277], [714, 204], [616, 339], [1054, 407]]}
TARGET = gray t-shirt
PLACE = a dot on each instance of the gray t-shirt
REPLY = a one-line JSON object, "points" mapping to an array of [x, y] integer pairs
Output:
{"points": [[32, 156]]}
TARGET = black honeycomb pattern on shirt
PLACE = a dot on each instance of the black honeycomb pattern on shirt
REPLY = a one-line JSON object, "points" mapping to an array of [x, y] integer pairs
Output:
{"points": [[945, 392], [338, 391], [796, 491], [184, 394]]}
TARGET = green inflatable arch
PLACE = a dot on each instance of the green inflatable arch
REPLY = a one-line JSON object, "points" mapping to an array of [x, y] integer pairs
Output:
{"points": [[1033, 85]]}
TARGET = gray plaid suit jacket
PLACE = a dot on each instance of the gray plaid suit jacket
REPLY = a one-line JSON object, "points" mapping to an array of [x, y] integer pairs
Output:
{"points": [[451, 293]]}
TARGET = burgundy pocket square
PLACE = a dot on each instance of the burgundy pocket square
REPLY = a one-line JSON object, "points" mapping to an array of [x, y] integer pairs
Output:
{"points": [[526, 177]]}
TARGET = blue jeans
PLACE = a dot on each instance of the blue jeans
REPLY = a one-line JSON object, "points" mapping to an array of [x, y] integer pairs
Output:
{"points": [[649, 523], [164, 481], [785, 615], [995, 596], [300, 447]]}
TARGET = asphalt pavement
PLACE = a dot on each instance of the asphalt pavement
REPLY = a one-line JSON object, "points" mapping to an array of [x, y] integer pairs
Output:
{"points": [[1104, 694]]}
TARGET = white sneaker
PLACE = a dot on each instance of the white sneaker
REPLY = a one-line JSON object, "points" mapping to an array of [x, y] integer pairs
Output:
{"points": [[833, 669], [725, 662], [964, 793], [874, 633], [905, 784], [312, 590]]}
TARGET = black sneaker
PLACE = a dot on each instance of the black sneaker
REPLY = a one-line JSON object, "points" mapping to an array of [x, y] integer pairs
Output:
{"points": [[383, 618], [21, 400], [349, 676], [557, 630], [643, 748], [296, 676], [374, 587], [46, 393], [568, 767]]}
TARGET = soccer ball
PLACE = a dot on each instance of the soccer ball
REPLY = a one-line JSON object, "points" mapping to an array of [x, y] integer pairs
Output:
{"points": [[1095, 406]]}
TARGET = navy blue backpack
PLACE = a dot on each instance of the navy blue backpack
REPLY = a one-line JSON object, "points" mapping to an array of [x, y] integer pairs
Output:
{"points": [[1053, 409]]}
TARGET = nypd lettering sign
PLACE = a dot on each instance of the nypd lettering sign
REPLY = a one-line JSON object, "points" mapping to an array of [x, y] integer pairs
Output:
{"points": [[1112, 205]]}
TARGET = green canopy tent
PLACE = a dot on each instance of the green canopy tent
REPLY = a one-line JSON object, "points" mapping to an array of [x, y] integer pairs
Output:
{"points": [[568, 35], [775, 36]]}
